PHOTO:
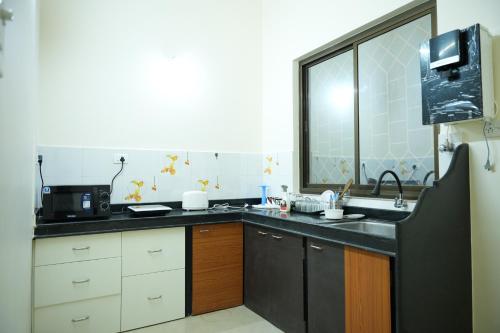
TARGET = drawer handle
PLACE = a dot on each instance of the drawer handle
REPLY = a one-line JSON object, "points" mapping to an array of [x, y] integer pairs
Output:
{"points": [[155, 251], [81, 281], [76, 320], [204, 230], [319, 248], [262, 233], [154, 298], [81, 248], [277, 237]]}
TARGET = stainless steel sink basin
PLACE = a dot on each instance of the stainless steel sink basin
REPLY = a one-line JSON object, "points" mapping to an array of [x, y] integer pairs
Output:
{"points": [[383, 229]]}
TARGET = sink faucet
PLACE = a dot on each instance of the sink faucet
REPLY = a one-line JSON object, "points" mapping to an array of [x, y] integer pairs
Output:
{"points": [[399, 202]]}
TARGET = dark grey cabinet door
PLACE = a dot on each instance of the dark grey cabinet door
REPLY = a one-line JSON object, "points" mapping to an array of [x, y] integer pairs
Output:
{"points": [[257, 296], [274, 277], [325, 287], [287, 282]]}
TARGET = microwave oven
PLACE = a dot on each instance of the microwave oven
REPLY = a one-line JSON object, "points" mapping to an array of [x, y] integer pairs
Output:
{"points": [[69, 202]]}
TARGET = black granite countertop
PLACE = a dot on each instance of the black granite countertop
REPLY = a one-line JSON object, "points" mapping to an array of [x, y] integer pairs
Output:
{"points": [[302, 224]]}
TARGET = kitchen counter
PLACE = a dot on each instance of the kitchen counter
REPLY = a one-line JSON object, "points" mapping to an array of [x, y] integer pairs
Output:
{"points": [[302, 224], [423, 265]]}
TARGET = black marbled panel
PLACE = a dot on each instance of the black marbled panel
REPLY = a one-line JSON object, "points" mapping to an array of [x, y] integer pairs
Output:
{"points": [[454, 92]]}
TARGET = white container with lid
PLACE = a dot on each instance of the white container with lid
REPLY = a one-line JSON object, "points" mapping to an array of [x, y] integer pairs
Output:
{"points": [[194, 200]]}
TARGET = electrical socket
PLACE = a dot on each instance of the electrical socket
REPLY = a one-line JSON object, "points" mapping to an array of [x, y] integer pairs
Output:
{"points": [[492, 129], [117, 157]]}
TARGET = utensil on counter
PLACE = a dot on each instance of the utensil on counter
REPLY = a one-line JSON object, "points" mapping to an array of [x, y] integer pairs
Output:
{"points": [[346, 188]]}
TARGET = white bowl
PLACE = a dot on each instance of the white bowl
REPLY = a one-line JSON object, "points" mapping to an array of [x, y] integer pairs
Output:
{"points": [[334, 214]]}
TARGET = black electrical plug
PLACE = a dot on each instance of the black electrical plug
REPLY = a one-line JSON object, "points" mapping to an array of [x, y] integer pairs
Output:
{"points": [[40, 161], [122, 160]]}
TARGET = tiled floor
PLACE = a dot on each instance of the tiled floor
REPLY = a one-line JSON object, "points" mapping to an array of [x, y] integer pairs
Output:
{"points": [[235, 320]]}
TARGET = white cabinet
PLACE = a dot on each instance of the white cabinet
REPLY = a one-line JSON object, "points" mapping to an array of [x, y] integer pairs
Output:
{"points": [[60, 250], [156, 250], [77, 284], [76, 281], [99, 315], [153, 285], [108, 282], [152, 298]]}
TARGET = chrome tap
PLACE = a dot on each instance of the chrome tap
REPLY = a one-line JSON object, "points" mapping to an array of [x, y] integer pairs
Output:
{"points": [[399, 201]]}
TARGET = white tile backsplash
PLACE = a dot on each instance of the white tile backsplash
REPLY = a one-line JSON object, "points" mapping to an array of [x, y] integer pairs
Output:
{"points": [[239, 174]]}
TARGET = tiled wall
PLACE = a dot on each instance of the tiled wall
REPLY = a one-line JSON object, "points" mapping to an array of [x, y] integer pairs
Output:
{"points": [[229, 175]]}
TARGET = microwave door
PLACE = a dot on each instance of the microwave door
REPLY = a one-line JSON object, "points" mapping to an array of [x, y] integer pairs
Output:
{"points": [[72, 204]]}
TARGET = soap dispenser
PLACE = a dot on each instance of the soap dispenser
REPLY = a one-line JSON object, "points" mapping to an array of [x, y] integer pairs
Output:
{"points": [[285, 200]]}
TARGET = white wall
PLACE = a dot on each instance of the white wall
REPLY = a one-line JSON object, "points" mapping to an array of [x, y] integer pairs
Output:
{"points": [[293, 28], [17, 118], [183, 75], [485, 212]]}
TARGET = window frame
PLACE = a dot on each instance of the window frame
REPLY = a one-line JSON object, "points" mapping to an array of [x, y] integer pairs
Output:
{"points": [[351, 41]]}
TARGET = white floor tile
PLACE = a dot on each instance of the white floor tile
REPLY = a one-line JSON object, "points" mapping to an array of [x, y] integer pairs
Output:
{"points": [[235, 320]]}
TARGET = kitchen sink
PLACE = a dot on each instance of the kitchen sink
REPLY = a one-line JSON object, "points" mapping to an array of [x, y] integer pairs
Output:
{"points": [[369, 227]]}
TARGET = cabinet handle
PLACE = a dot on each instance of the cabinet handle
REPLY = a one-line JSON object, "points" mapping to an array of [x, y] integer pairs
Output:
{"points": [[81, 248], [204, 230], [319, 248], [154, 298], [155, 251], [262, 233], [76, 320], [80, 281], [277, 237]]}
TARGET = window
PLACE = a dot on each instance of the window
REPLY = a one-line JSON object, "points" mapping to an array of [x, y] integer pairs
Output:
{"points": [[361, 109]]}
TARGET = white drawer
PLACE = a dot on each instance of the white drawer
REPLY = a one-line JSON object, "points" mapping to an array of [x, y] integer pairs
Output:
{"points": [[100, 315], [152, 298], [76, 281], [59, 250], [149, 251]]}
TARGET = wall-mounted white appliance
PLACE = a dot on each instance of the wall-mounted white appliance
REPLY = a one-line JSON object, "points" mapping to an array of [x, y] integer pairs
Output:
{"points": [[457, 76], [194, 200]]}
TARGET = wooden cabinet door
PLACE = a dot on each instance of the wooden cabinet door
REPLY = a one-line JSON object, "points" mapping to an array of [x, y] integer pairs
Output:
{"points": [[286, 282], [367, 292], [217, 267], [325, 287], [257, 270]]}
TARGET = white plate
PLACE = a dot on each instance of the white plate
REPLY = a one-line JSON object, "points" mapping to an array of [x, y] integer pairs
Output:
{"points": [[266, 206], [324, 218], [354, 216], [148, 208]]}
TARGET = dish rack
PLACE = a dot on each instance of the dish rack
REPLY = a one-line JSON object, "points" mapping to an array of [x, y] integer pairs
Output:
{"points": [[310, 205]]}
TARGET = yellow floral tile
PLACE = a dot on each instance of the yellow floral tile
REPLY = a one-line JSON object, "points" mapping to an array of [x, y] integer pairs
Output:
{"points": [[136, 194], [204, 184], [171, 167]]}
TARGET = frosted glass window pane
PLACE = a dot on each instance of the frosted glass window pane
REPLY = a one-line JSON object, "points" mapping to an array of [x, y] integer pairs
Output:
{"points": [[391, 133], [331, 120]]}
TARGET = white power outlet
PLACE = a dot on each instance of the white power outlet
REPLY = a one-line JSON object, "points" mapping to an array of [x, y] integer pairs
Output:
{"points": [[492, 129], [117, 157]]}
